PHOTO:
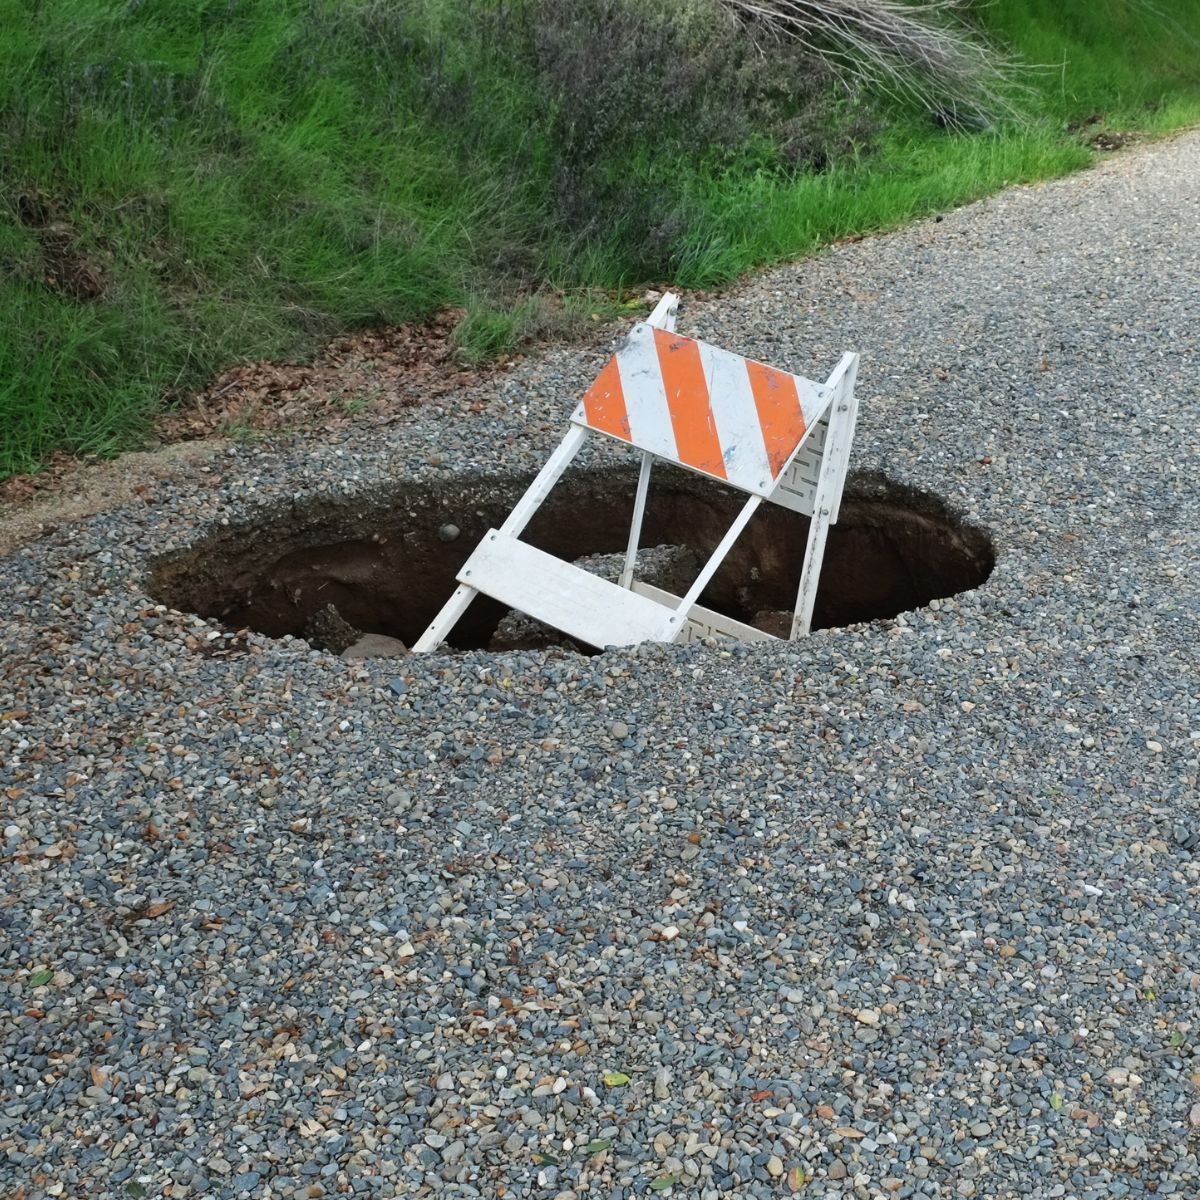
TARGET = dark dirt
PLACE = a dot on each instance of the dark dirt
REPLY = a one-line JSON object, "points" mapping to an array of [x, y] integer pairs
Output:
{"points": [[1114, 139], [385, 569]]}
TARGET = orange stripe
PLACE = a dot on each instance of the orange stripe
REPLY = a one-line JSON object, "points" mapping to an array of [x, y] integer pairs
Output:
{"points": [[779, 413], [683, 379], [604, 403]]}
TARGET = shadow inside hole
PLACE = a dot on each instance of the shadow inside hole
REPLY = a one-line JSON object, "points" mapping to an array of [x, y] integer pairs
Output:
{"points": [[385, 567]]}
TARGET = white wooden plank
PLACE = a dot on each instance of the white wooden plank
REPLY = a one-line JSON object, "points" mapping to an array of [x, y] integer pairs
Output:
{"points": [[635, 526], [439, 628], [566, 597], [665, 312], [844, 372], [810, 574], [844, 377], [705, 622], [828, 497]]}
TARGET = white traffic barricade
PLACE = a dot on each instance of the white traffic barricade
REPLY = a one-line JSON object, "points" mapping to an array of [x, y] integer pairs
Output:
{"points": [[775, 436]]}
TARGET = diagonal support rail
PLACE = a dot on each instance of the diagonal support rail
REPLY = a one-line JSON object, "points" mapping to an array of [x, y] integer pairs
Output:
{"points": [[522, 513]]}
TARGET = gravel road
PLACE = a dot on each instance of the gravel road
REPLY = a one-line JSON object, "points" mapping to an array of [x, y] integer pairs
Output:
{"points": [[907, 909]]}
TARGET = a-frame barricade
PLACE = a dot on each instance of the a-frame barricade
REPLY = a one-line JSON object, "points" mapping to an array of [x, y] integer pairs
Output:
{"points": [[774, 436]]}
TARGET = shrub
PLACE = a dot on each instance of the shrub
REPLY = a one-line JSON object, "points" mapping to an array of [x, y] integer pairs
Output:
{"points": [[641, 96]]}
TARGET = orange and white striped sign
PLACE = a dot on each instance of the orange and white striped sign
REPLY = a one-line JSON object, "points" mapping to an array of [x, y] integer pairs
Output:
{"points": [[701, 407]]}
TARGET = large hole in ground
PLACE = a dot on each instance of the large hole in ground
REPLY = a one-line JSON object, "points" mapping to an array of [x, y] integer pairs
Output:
{"points": [[329, 571]]}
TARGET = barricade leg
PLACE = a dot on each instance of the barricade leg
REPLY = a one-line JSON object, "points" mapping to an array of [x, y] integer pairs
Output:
{"points": [[828, 499], [534, 497]]}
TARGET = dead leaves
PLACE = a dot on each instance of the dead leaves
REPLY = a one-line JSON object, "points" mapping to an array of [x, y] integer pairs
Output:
{"points": [[370, 374]]}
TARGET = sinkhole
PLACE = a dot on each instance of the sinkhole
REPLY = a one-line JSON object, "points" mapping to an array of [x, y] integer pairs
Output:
{"points": [[330, 571]]}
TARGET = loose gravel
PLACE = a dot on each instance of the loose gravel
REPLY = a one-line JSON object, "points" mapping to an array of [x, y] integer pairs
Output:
{"points": [[904, 910]]}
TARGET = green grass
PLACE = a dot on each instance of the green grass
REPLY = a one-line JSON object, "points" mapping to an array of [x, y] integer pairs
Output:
{"points": [[1133, 62], [754, 219], [248, 178]]}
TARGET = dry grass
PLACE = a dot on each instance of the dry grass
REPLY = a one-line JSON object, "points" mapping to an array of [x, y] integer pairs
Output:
{"points": [[911, 51]]}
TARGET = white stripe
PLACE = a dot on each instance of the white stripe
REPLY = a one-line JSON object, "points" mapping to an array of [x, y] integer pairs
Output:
{"points": [[645, 397], [731, 399], [814, 400], [736, 417]]}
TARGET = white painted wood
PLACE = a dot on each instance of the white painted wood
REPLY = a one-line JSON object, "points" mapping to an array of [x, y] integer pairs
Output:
{"points": [[705, 622], [535, 495], [718, 555], [735, 416], [439, 628], [646, 406], [810, 574], [635, 526], [648, 387], [664, 316], [843, 379], [581, 604], [844, 372], [665, 312], [828, 496]]}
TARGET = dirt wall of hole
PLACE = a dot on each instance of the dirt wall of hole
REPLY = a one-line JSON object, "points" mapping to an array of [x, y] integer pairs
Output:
{"points": [[385, 566]]}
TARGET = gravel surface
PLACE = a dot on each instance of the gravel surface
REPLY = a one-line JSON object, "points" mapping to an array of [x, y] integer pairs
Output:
{"points": [[908, 909]]}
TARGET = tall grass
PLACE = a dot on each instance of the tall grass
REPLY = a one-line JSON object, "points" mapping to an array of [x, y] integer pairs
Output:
{"points": [[184, 183], [1132, 62]]}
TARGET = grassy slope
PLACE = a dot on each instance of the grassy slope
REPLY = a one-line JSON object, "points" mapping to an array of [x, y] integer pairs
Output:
{"points": [[1120, 63], [248, 178], [246, 183]]}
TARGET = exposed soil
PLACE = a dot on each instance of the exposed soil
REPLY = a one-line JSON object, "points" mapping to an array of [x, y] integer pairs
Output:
{"points": [[32, 505], [368, 376], [64, 267], [386, 567], [1114, 139], [354, 378], [1104, 139]]}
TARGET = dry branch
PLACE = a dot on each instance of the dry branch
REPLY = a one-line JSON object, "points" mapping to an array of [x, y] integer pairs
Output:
{"points": [[912, 50]]}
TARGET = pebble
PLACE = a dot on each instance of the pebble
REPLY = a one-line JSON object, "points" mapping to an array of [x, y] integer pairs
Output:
{"points": [[374, 645]]}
